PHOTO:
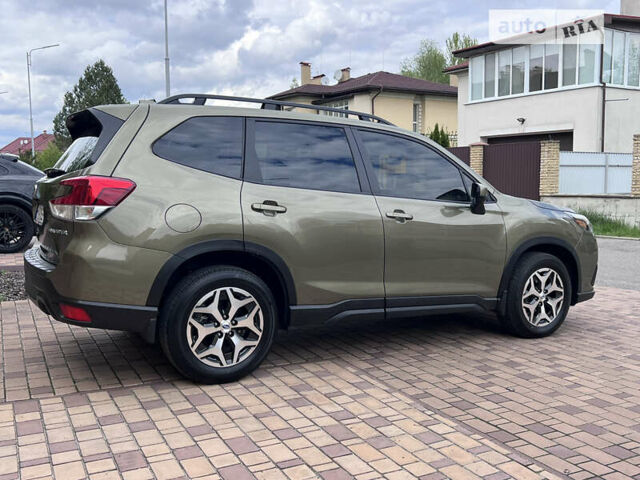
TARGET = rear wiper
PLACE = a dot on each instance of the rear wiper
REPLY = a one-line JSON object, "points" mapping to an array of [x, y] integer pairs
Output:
{"points": [[54, 172]]}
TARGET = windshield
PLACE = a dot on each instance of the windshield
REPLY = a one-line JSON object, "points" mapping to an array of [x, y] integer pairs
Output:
{"points": [[78, 155]]}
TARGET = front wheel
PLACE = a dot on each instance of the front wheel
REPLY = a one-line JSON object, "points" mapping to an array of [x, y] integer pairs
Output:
{"points": [[218, 324], [538, 296]]}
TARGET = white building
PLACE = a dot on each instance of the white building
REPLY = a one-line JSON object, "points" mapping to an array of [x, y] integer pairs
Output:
{"points": [[583, 94]]}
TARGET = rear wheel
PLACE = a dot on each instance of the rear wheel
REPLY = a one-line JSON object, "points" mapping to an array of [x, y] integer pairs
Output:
{"points": [[538, 296], [218, 324], [16, 229]]}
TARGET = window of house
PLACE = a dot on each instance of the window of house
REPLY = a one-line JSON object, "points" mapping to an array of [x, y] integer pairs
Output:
{"points": [[504, 72], [518, 72], [606, 61], [489, 75], [342, 104], [633, 75], [409, 169], [551, 64], [534, 68], [588, 55], [305, 156], [617, 58], [212, 144], [569, 63], [536, 63], [476, 65], [416, 117]]}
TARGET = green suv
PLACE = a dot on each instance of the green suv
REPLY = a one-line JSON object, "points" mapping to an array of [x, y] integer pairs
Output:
{"points": [[209, 228]]}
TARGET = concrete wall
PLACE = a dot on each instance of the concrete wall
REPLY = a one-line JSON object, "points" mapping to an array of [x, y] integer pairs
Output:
{"points": [[440, 110], [398, 109], [577, 110], [622, 119], [623, 208]]}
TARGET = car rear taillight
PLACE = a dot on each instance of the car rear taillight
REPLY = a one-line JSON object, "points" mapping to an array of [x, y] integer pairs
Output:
{"points": [[90, 197]]}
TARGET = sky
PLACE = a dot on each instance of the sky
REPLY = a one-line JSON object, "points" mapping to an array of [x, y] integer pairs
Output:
{"points": [[231, 47]]}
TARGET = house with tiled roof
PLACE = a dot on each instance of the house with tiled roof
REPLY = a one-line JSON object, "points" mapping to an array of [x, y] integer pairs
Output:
{"points": [[407, 102], [581, 88], [23, 144]]}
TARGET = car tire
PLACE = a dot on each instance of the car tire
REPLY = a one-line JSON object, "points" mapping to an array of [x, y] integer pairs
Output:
{"points": [[538, 296], [218, 324], [16, 229]]}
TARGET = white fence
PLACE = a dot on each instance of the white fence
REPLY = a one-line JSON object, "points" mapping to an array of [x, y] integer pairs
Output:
{"points": [[595, 173]]}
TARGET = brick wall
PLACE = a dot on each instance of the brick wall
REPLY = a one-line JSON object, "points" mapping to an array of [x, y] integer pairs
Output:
{"points": [[549, 167], [635, 170], [476, 157]]}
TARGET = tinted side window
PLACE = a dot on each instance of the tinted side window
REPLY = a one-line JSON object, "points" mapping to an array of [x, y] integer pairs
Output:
{"points": [[305, 156], [212, 144], [404, 168]]}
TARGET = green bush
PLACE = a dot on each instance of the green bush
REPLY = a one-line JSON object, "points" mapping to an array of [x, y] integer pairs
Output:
{"points": [[605, 225]]}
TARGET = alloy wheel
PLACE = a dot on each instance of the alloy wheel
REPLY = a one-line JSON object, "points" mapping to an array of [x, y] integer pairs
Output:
{"points": [[12, 229], [542, 297], [225, 327]]}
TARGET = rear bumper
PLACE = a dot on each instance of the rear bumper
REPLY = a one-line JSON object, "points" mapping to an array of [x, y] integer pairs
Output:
{"points": [[110, 316]]}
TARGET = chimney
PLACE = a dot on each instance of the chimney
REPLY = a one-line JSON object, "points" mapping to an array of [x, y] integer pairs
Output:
{"points": [[305, 73], [317, 80], [630, 7], [346, 74]]}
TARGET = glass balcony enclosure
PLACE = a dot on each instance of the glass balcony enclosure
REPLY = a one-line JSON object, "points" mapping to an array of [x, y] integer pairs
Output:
{"points": [[535, 68]]}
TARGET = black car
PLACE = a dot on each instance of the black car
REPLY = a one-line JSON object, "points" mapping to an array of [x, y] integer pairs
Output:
{"points": [[16, 189]]}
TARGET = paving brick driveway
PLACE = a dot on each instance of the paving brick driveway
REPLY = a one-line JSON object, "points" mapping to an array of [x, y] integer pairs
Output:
{"points": [[443, 398]]}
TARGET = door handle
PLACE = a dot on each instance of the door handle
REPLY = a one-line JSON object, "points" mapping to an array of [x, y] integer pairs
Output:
{"points": [[268, 207], [400, 215]]}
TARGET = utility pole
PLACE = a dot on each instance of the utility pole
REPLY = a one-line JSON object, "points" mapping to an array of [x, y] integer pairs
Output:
{"points": [[29, 53], [167, 80]]}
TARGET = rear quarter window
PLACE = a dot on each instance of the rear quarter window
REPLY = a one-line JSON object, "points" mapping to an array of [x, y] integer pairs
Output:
{"points": [[211, 144]]}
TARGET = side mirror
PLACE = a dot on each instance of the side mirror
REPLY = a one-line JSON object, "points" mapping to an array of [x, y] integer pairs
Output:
{"points": [[479, 194]]}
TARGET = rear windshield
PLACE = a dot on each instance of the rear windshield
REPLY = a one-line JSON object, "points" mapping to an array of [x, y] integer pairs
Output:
{"points": [[78, 155], [91, 131]]}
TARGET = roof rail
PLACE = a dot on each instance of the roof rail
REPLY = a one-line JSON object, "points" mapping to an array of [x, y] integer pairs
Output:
{"points": [[201, 98]]}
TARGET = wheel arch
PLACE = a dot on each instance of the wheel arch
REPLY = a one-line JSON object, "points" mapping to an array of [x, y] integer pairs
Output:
{"points": [[554, 246], [252, 257], [17, 200]]}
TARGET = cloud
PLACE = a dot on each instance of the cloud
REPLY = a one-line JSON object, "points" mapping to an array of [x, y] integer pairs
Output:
{"points": [[241, 47]]}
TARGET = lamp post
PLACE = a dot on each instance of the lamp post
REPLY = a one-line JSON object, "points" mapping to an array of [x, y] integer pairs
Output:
{"points": [[167, 81], [33, 148]]}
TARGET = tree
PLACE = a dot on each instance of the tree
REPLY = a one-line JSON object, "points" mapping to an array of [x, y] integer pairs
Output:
{"points": [[427, 64], [430, 60], [440, 136], [456, 42], [48, 157], [294, 83], [96, 86]]}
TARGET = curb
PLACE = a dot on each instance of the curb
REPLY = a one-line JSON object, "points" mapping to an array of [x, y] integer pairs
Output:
{"points": [[11, 268], [635, 239]]}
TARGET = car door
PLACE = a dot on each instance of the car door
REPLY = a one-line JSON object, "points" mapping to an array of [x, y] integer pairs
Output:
{"points": [[436, 250], [306, 198]]}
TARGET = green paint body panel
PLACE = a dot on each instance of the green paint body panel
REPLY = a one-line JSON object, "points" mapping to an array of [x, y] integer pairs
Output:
{"points": [[336, 246]]}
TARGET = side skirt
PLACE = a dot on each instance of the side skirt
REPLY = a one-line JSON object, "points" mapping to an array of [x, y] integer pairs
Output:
{"points": [[393, 308]]}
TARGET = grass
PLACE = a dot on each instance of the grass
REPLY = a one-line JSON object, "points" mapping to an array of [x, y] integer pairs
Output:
{"points": [[605, 225]]}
